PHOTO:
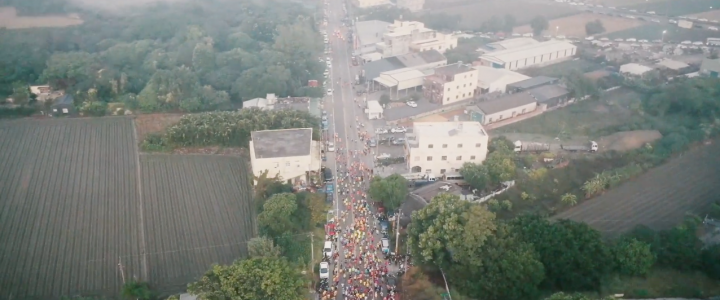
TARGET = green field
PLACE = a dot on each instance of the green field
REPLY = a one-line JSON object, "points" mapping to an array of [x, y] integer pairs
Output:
{"points": [[672, 34], [663, 283], [677, 7]]}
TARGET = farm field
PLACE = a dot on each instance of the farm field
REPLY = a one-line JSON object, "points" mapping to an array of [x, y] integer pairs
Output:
{"points": [[677, 7], [68, 206], [154, 123], [10, 20], [710, 15], [672, 34], [198, 211], [575, 25], [474, 15], [659, 199]]}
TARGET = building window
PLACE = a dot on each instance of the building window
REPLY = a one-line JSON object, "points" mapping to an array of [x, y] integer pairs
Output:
{"points": [[277, 165], [428, 170], [472, 157], [417, 158], [459, 157], [65, 110], [429, 158], [442, 171], [448, 99], [54, 109], [523, 111], [287, 163], [448, 89], [444, 145], [459, 145], [463, 85], [443, 158], [456, 96], [430, 145]]}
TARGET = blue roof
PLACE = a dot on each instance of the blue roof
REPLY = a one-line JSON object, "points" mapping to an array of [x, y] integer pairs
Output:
{"points": [[65, 99]]}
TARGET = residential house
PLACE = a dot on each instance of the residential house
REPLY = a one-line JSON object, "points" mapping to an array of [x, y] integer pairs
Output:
{"points": [[451, 83], [443, 147], [63, 106], [291, 154]]}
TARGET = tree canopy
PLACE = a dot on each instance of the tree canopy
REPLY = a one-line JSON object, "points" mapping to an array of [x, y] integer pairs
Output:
{"points": [[538, 24], [594, 27], [391, 190]]}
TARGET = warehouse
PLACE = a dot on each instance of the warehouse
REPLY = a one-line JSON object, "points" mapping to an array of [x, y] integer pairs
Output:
{"points": [[533, 55], [400, 80], [505, 108], [491, 80]]}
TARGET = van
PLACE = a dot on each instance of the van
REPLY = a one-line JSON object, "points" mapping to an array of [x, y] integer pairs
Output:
{"points": [[327, 174], [327, 249], [385, 246]]}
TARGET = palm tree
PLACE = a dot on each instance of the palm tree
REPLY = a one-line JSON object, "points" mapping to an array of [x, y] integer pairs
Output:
{"points": [[569, 199]]}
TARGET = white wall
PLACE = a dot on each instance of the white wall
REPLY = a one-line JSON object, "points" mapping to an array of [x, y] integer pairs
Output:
{"points": [[536, 60], [507, 114], [288, 168], [463, 87], [445, 152]]}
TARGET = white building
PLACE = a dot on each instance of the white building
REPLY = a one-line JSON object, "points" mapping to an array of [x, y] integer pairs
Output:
{"points": [[512, 43], [411, 5], [374, 110], [491, 80], [266, 103], [451, 83], [536, 55], [403, 36], [633, 69], [443, 147], [507, 107], [369, 3], [291, 154]]}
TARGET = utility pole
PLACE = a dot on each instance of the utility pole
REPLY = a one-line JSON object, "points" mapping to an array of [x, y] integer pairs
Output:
{"points": [[447, 288], [397, 231], [312, 253], [121, 268]]}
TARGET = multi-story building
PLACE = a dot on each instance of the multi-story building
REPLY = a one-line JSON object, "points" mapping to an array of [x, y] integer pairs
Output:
{"points": [[403, 36], [291, 154], [451, 83], [369, 3], [411, 5], [443, 147]]}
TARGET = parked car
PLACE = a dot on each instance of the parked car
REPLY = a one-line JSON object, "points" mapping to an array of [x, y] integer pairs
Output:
{"points": [[398, 142], [383, 156], [331, 147], [398, 129], [324, 270], [329, 92], [381, 130], [372, 143], [411, 104]]}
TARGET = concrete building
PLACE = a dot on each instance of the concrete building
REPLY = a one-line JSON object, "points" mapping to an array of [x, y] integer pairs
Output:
{"points": [[512, 43], [451, 83], [710, 67], [291, 154], [505, 108], [441, 42], [532, 55], [402, 80], [266, 103], [369, 33], [634, 69], [531, 83], [369, 3], [411, 5], [551, 96], [403, 36], [424, 62], [443, 147], [491, 80], [374, 110]]}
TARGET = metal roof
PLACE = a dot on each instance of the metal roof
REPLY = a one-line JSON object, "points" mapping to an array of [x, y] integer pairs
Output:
{"points": [[514, 54], [374, 68], [673, 64], [386, 81], [488, 75], [452, 70], [281, 143], [513, 43], [505, 103], [548, 92], [635, 69], [532, 82]]}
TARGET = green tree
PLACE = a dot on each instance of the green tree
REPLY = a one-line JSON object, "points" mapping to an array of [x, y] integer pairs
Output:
{"points": [[391, 190], [594, 27], [500, 166], [501, 144], [253, 278], [475, 174], [262, 247], [710, 258], [507, 270], [66, 70], [384, 99], [633, 257], [568, 199], [449, 230], [417, 286], [136, 290], [20, 93], [277, 210], [509, 23], [538, 24], [585, 259]]}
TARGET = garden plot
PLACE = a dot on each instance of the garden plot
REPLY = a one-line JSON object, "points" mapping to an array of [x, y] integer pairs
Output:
{"points": [[575, 25]]}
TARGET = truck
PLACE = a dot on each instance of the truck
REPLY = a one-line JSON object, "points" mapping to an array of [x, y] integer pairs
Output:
{"points": [[591, 146], [531, 147]]}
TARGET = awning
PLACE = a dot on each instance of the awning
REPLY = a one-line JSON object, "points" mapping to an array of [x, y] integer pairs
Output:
{"points": [[387, 82]]}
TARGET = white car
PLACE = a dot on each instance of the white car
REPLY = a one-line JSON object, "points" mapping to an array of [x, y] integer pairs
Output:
{"points": [[398, 129], [445, 187], [327, 249], [411, 104], [713, 28], [329, 92], [331, 147], [381, 130], [383, 155], [324, 270]]}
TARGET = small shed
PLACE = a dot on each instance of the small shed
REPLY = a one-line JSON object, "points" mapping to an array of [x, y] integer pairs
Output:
{"points": [[550, 95], [374, 110], [63, 106]]}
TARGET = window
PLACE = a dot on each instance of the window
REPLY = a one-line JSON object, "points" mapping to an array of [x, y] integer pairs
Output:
{"points": [[472, 157], [429, 158], [65, 110], [463, 95], [287, 163], [448, 89], [456, 96], [417, 158], [442, 171], [463, 85], [459, 145], [54, 109], [478, 145], [444, 145], [430, 145], [458, 87], [448, 99], [523, 111], [428, 170], [459, 157], [443, 158], [277, 165]]}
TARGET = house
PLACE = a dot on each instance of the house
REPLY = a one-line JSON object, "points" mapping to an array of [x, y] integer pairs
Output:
{"points": [[63, 106], [291, 154], [507, 107], [369, 33], [492, 80], [374, 110], [403, 36], [443, 147], [266, 103], [411, 5], [531, 83], [532, 55], [634, 69], [451, 83], [44, 93], [710, 67], [551, 96]]}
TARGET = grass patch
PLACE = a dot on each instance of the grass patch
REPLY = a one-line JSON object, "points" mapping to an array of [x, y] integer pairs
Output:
{"points": [[563, 68], [664, 283], [588, 118], [677, 8]]}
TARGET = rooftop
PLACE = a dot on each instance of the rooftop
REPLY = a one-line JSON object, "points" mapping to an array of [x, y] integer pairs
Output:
{"points": [[410, 60], [371, 32], [505, 103], [522, 52], [711, 64], [374, 68], [374, 106], [282, 143], [532, 82], [452, 70], [673, 64], [548, 92], [487, 75], [513, 43], [443, 129], [635, 69]]}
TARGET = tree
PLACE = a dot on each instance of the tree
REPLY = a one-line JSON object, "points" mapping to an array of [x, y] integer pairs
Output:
{"points": [[391, 190], [384, 99], [475, 174], [509, 23], [508, 270], [710, 257], [277, 210], [262, 247], [448, 230], [500, 143], [316, 204], [417, 286], [500, 166], [594, 27], [633, 257], [538, 24], [136, 290], [568, 199], [66, 70], [585, 259], [253, 278]]}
